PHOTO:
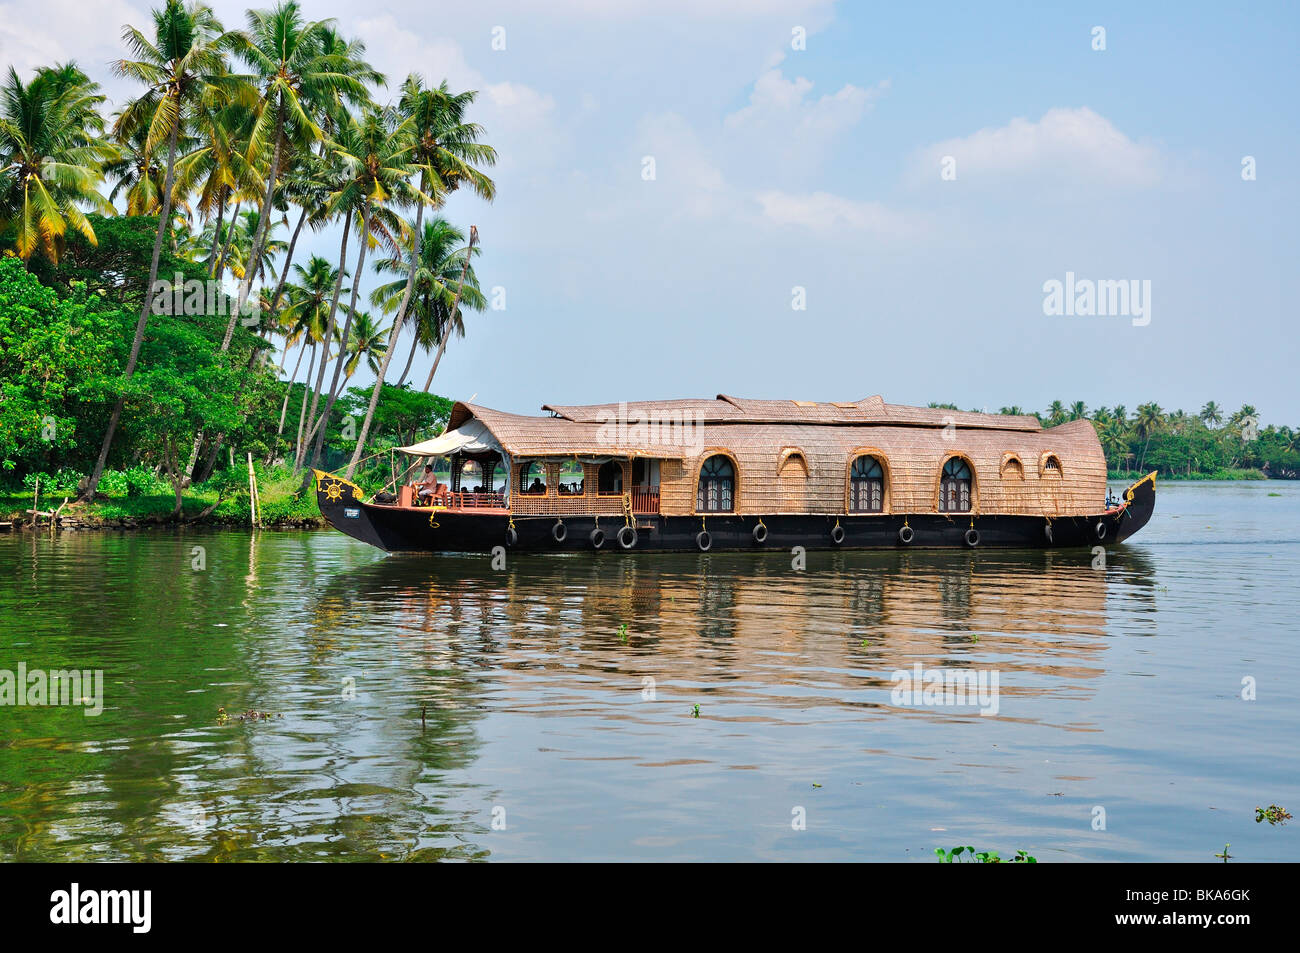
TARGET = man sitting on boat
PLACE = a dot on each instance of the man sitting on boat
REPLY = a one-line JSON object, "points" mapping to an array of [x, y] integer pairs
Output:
{"points": [[430, 491]]}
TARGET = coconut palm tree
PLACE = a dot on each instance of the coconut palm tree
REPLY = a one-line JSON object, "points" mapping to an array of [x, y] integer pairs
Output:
{"points": [[1113, 444], [455, 322], [376, 152], [52, 152], [449, 155], [301, 185], [1149, 419], [239, 243], [1078, 410], [309, 304], [183, 63], [216, 169], [436, 279], [1055, 413], [297, 74], [1212, 414], [368, 341], [1247, 412], [137, 175]]}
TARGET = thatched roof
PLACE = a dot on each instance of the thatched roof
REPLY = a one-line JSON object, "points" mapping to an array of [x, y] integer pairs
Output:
{"points": [[588, 428], [737, 410]]}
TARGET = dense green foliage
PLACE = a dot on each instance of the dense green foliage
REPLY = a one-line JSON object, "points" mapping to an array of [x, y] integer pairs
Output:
{"points": [[64, 332]]}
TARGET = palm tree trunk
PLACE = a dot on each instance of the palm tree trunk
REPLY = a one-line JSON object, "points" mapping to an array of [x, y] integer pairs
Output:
{"points": [[115, 418], [347, 327], [284, 407], [302, 413], [216, 234], [230, 240], [455, 306], [410, 358], [442, 346], [288, 258], [416, 242], [329, 333]]}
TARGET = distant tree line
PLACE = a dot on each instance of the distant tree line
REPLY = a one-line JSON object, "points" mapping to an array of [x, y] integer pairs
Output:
{"points": [[1211, 444]]}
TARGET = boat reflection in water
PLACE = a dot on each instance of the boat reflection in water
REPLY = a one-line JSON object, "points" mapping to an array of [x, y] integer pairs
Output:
{"points": [[751, 629]]}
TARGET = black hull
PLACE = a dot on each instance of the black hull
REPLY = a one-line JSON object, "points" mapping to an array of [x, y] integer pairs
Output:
{"points": [[395, 529]]}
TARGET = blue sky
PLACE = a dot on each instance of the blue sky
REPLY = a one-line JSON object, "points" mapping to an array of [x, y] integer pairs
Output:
{"points": [[778, 168]]}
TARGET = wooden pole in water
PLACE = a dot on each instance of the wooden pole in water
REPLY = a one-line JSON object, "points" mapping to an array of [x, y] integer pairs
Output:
{"points": [[35, 506], [252, 492]]}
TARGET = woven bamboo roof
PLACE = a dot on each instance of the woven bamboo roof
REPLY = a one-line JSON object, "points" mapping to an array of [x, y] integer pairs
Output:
{"points": [[587, 429], [528, 436]]}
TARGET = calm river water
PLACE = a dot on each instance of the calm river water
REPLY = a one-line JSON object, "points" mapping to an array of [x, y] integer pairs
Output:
{"points": [[552, 732]]}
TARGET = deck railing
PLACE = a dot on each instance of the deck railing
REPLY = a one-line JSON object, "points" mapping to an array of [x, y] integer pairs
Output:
{"points": [[462, 500], [645, 501]]}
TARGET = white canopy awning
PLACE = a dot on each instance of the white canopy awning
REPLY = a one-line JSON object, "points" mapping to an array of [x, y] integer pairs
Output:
{"points": [[472, 436]]}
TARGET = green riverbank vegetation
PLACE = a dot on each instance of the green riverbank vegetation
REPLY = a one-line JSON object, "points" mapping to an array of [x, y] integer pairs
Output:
{"points": [[161, 325]]}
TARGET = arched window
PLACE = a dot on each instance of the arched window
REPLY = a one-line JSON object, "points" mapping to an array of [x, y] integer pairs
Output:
{"points": [[717, 486], [474, 476], [1013, 468], [1051, 465], [866, 486], [955, 487], [572, 478], [609, 479], [532, 479], [792, 479], [468, 476]]}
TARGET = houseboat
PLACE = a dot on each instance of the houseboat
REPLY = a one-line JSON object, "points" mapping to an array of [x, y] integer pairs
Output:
{"points": [[737, 474]]}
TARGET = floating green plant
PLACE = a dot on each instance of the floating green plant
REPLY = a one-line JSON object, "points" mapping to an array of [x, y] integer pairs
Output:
{"points": [[1225, 855], [1273, 814], [223, 717], [964, 855], [695, 712], [622, 632]]}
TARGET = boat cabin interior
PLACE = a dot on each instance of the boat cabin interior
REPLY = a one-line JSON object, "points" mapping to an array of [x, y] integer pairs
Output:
{"points": [[480, 481]]}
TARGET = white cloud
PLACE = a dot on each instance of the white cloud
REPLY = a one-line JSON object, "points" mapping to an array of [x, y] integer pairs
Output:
{"points": [[1074, 144], [515, 96], [61, 30], [687, 179], [824, 211], [520, 120], [777, 100], [397, 51], [785, 121]]}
